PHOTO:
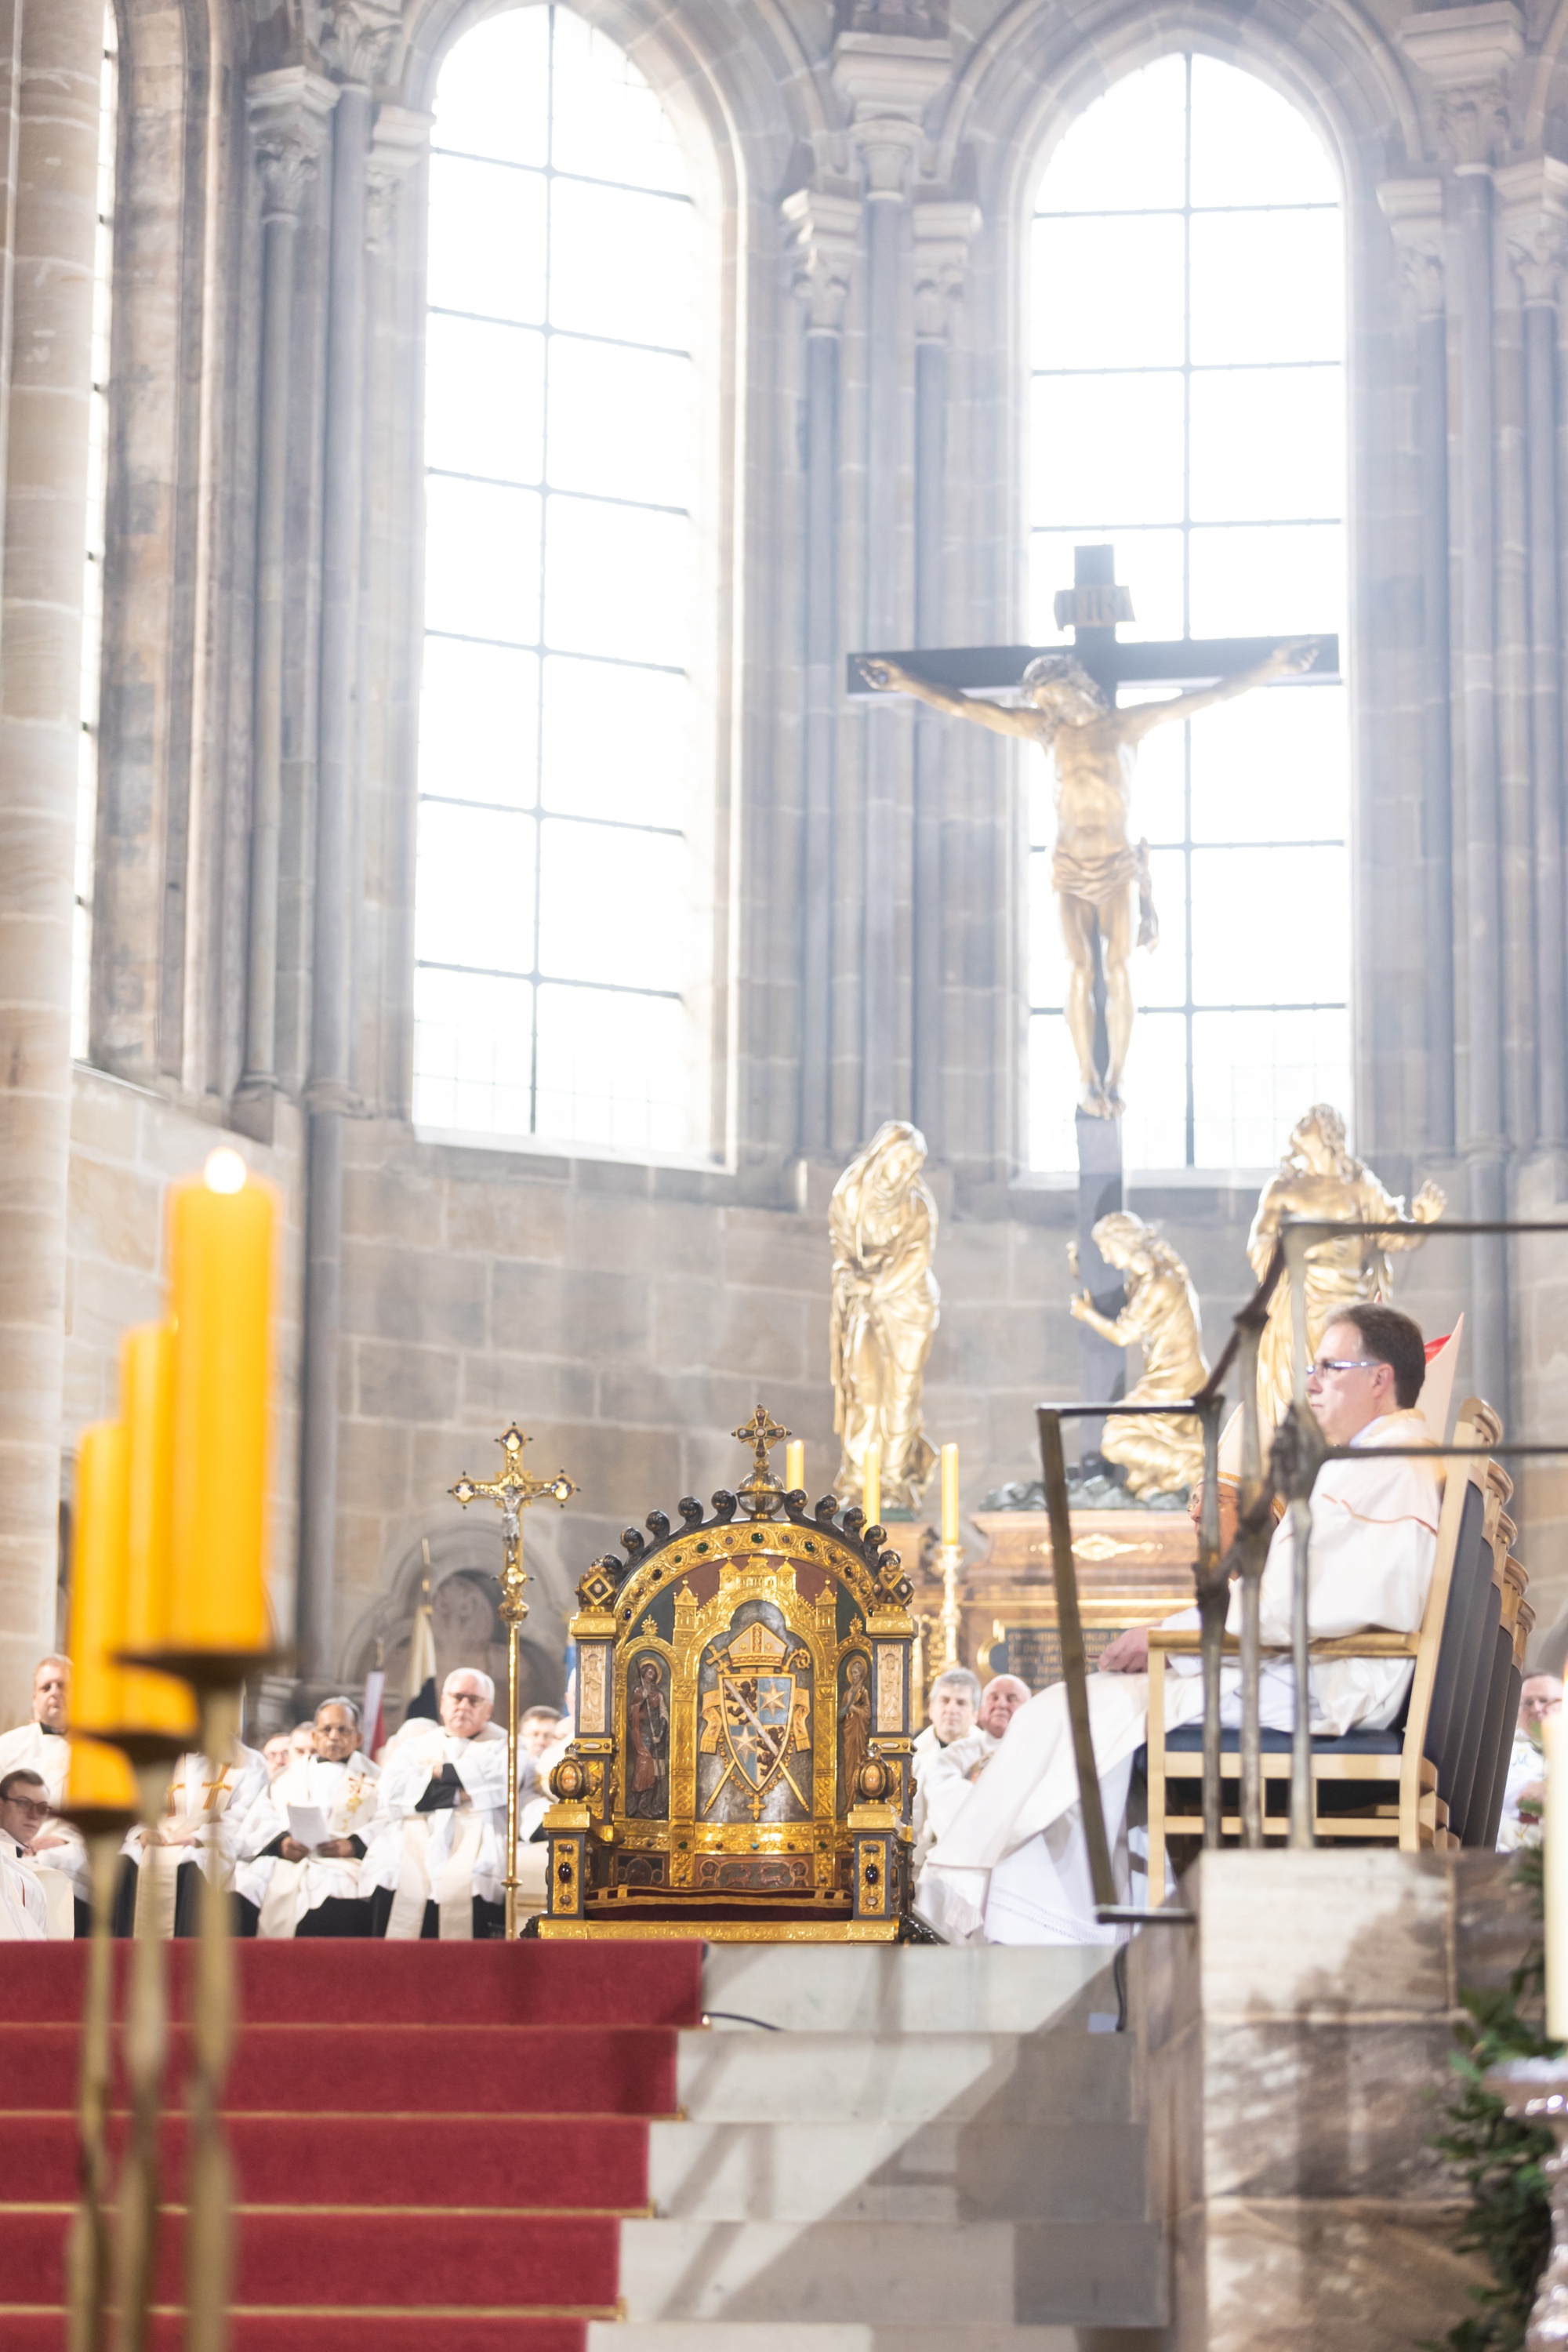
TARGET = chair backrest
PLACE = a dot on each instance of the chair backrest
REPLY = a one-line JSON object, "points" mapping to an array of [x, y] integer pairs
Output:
{"points": [[1439, 1689], [1471, 1773], [1496, 1745]]}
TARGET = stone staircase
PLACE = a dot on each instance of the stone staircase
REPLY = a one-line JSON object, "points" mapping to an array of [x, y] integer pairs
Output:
{"points": [[893, 2151]]}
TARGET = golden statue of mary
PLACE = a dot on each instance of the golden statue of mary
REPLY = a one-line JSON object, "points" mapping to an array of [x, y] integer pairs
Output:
{"points": [[882, 1222]]}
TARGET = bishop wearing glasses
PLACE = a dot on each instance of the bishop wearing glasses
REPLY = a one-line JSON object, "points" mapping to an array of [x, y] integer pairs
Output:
{"points": [[1010, 1862]]}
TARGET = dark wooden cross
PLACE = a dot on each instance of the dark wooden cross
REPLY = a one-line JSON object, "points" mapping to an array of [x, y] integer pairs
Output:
{"points": [[1094, 608]]}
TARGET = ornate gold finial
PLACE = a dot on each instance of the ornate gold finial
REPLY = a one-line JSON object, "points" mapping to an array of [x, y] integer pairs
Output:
{"points": [[761, 1491]]}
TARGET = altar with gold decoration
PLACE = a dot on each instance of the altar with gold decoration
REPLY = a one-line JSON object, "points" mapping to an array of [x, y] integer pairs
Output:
{"points": [[1133, 1568], [741, 1769]]}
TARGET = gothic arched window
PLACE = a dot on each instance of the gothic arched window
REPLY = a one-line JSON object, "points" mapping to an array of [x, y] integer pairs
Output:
{"points": [[1187, 343], [562, 988]]}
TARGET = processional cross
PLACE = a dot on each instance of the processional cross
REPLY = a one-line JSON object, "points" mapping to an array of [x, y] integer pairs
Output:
{"points": [[511, 1494], [1068, 708]]}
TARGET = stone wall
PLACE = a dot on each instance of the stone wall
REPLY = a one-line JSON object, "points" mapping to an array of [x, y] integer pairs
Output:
{"points": [[1292, 2061], [127, 1144]]}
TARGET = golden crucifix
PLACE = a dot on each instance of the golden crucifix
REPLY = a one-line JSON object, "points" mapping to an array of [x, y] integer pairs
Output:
{"points": [[511, 1494], [762, 1490]]}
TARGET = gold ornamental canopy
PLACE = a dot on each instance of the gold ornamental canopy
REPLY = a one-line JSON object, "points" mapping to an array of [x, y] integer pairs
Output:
{"points": [[741, 1768]]}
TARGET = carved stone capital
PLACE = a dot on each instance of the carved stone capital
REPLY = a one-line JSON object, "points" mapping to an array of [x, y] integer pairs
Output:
{"points": [[358, 37], [1533, 200], [823, 232], [1467, 56], [400, 140], [1414, 211], [886, 81], [289, 111], [943, 233]]}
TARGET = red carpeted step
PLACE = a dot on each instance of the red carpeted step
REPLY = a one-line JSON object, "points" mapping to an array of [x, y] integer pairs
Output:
{"points": [[550, 2263], [438, 2069], [595, 2163], [416, 1984], [343, 2331]]}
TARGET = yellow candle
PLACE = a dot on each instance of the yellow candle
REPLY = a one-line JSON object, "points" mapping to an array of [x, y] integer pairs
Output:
{"points": [[1555, 1840], [221, 1241], [153, 1702], [795, 1465], [98, 1775], [97, 1577], [950, 1494], [873, 1485]]}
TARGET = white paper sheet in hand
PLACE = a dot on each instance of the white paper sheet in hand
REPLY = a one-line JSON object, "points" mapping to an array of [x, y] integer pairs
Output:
{"points": [[309, 1824]]}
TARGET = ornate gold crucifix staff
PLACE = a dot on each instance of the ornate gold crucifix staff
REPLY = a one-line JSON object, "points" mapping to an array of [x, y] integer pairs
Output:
{"points": [[511, 1494]]}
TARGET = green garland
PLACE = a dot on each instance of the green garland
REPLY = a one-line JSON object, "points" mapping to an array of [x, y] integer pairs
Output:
{"points": [[1501, 2160]]}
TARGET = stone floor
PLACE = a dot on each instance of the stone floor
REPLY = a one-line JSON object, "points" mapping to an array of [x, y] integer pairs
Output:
{"points": [[894, 2151]]}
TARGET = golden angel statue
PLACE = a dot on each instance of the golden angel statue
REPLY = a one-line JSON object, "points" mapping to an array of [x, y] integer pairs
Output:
{"points": [[1092, 749], [881, 1220], [1157, 1455], [1319, 1178]]}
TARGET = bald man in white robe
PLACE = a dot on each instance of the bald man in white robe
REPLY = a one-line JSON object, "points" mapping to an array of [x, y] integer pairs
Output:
{"points": [[40, 1745], [435, 1865], [1009, 1863]]}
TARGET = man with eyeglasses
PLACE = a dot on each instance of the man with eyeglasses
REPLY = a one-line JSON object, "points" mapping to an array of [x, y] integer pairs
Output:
{"points": [[1013, 1866], [313, 1890], [1540, 1695], [436, 1863], [24, 1810], [40, 1745]]}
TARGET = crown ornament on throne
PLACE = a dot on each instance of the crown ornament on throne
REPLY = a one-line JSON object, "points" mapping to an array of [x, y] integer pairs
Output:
{"points": [[741, 1768]]}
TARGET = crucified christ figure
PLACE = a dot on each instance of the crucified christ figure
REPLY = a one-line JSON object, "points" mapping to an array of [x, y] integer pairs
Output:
{"points": [[1092, 747]]}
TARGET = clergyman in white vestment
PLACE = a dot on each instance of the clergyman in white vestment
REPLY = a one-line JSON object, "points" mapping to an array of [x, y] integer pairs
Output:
{"points": [[300, 1890], [24, 1809], [436, 1863], [59, 1853], [1009, 1864], [207, 1809]]}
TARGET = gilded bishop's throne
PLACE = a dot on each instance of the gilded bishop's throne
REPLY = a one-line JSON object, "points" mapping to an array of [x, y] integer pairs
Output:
{"points": [[741, 1768]]}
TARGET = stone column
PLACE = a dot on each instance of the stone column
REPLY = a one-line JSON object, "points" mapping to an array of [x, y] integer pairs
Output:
{"points": [[361, 37], [942, 237], [886, 80], [1467, 57], [46, 479], [1414, 209], [289, 111], [825, 231], [1536, 220]]}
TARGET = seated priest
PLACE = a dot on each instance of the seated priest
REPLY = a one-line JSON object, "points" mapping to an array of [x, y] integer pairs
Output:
{"points": [[24, 1810], [311, 1886], [40, 1745], [435, 1866], [947, 1772], [1524, 1792], [1009, 1864], [952, 1706], [201, 1831]]}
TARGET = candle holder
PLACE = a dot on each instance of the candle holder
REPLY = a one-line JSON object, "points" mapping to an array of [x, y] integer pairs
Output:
{"points": [[1535, 2091], [103, 1829], [217, 1677], [152, 1756]]}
